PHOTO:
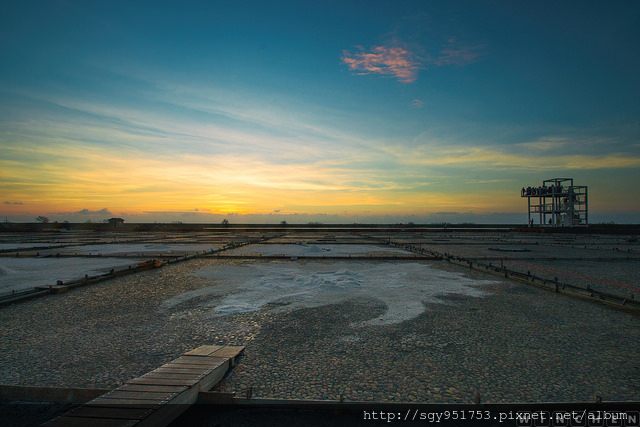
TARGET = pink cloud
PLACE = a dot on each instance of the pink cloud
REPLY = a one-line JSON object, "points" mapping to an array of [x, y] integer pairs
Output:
{"points": [[402, 64], [389, 61]]}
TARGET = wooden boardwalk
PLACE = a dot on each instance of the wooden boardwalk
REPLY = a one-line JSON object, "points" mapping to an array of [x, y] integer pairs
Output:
{"points": [[158, 397]]}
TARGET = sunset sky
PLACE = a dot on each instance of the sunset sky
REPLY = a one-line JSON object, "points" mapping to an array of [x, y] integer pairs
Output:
{"points": [[335, 112]]}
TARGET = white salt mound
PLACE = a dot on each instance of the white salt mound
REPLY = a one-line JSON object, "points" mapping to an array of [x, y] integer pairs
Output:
{"points": [[403, 288]]}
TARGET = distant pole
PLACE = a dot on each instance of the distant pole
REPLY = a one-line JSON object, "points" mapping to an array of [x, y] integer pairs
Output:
{"points": [[586, 206]]}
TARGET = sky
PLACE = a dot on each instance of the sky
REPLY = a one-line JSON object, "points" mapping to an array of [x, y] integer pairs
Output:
{"points": [[306, 111]]}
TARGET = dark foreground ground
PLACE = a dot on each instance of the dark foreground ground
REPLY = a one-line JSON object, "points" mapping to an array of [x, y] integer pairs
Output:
{"points": [[515, 415], [515, 343]]}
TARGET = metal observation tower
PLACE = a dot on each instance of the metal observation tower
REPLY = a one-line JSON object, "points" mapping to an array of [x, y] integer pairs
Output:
{"points": [[557, 203]]}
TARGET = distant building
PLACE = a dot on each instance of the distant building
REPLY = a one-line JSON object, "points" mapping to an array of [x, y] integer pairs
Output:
{"points": [[115, 222]]}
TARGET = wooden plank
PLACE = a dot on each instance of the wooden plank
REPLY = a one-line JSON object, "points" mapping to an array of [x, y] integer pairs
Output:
{"points": [[138, 395], [177, 374], [184, 365], [158, 381], [199, 360], [180, 376], [153, 388], [229, 351], [135, 403], [178, 370], [65, 421], [110, 412], [205, 350], [168, 375], [196, 359], [172, 370]]}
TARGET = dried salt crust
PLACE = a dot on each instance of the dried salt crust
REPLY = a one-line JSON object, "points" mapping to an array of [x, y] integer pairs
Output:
{"points": [[404, 288]]}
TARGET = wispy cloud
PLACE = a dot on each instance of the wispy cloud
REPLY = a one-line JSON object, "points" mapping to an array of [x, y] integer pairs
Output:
{"points": [[549, 146], [496, 157], [235, 126], [12, 203], [456, 53], [392, 61], [417, 103]]}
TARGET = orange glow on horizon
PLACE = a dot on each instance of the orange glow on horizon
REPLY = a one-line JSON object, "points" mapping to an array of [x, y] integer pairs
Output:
{"points": [[72, 180]]}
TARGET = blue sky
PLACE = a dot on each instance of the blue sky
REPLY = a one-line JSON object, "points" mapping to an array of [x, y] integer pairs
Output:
{"points": [[367, 111]]}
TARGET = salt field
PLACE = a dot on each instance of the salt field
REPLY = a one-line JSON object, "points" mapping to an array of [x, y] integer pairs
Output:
{"points": [[322, 250], [18, 274], [406, 330], [140, 249], [46, 263], [608, 263]]}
